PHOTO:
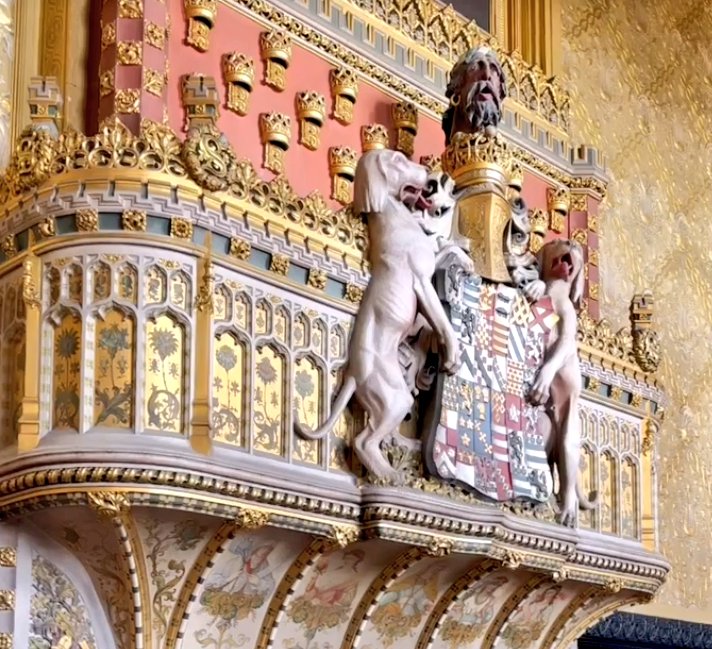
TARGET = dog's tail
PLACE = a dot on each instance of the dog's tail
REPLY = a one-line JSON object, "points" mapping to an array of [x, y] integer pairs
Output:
{"points": [[342, 400], [586, 502]]}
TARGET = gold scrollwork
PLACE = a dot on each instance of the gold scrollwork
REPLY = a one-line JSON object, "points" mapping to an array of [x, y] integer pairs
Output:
{"points": [[209, 158], [6, 641]]}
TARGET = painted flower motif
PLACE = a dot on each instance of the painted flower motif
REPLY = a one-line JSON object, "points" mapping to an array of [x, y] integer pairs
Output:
{"points": [[67, 343], [266, 372], [114, 340], [304, 384], [226, 358], [164, 343]]}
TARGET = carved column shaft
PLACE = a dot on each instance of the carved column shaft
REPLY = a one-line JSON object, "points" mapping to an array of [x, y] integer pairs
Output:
{"points": [[134, 63]]}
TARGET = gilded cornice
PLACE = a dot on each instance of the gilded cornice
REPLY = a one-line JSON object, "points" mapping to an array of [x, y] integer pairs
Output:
{"points": [[339, 523]]}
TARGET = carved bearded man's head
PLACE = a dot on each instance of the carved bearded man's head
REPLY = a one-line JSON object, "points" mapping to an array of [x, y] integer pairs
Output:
{"points": [[476, 91]]}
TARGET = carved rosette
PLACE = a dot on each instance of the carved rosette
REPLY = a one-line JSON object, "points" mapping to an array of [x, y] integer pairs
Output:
{"points": [[343, 82], [276, 51], [311, 113], [239, 77]]}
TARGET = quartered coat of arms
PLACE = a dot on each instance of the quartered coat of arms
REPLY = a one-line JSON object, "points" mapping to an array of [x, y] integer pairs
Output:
{"points": [[461, 314], [486, 436]]}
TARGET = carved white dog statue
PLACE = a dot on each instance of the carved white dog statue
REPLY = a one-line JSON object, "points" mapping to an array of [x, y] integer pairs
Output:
{"points": [[558, 382], [403, 259]]}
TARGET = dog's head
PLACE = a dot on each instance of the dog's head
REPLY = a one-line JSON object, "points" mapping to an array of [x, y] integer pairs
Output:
{"points": [[562, 259], [440, 193], [383, 174]]}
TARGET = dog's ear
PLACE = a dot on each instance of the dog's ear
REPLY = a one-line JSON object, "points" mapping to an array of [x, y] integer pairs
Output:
{"points": [[577, 282]]}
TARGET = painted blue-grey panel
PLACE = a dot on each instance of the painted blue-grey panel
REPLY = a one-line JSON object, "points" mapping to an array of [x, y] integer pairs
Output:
{"points": [[109, 221], [260, 259], [65, 224], [336, 289], [158, 225], [298, 274]]}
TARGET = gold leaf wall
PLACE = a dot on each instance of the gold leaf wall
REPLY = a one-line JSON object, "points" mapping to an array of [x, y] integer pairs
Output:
{"points": [[6, 74], [640, 77]]}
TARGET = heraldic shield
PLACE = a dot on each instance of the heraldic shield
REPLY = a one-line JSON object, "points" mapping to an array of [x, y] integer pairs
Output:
{"points": [[482, 432]]}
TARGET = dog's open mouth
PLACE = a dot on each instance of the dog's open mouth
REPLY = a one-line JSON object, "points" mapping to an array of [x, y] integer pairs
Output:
{"points": [[562, 267], [413, 198]]}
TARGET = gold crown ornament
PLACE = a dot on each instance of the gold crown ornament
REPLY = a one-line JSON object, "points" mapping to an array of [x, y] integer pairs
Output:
{"points": [[344, 92], [342, 168], [559, 199], [276, 51], [374, 136], [201, 16], [405, 120], [311, 113], [275, 133], [239, 77]]}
